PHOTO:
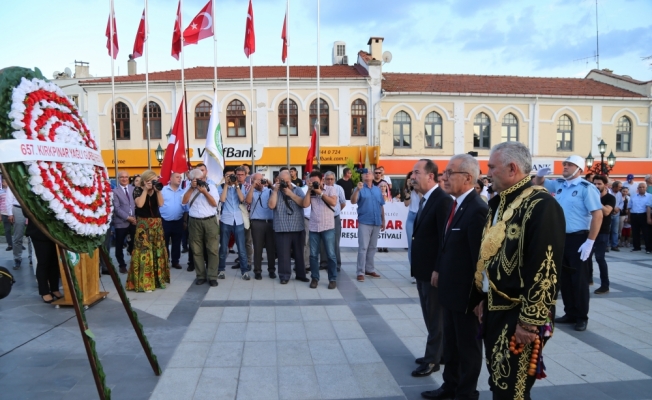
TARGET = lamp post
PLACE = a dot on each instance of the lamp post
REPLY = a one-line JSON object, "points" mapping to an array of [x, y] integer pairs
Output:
{"points": [[159, 154], [602, 168]]}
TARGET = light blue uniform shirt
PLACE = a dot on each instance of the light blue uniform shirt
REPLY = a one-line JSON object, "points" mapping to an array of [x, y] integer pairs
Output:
{"points": [[231, 213], [369, 202], [578, 198], [172, 210], [259, 207]]}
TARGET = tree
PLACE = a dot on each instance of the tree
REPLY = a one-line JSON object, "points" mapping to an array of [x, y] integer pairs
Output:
{"points": [[356, 175]]}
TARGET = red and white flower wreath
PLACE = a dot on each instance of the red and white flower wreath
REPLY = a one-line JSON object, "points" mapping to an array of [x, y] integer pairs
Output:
{"points": [[78, 194]]}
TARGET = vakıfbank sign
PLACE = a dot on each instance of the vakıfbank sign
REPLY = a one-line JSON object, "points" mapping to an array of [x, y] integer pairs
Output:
{"points": [[236, 152]]}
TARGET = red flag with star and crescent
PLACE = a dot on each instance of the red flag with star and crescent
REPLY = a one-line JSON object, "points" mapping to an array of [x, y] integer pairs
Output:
{"points": [[250, 36], [284, 36], [176, 34], [174, 159], [201, 26], [139, 43], [312, 150], [113, 51]]}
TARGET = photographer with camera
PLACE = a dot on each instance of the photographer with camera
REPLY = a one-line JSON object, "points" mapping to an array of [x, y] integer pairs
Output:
{"points": [[262, 225], [149, 269], [286, 200], [321, 200], [203, 232], [232, 195]]}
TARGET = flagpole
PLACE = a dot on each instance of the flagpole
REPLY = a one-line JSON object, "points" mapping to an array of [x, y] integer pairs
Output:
{"points": [[287, 68], [214, 53], [115, 131], [149, 156], [184, 114], [253, 102], [318, 98]]}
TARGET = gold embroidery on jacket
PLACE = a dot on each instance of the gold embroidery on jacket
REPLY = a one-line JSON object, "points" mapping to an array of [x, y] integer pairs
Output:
{"points": [[521, 375], [500, 354], [539, 298]]}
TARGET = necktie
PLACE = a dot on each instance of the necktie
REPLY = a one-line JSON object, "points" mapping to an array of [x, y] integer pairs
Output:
{"points": [[423, 200], [450, 217]]}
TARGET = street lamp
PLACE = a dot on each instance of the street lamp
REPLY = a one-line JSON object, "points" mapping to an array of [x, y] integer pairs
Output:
{"points": [[602, 168], [159, 154]]}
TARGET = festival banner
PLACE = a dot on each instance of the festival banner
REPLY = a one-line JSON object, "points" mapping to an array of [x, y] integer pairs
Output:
{"points": [[394, 235]]}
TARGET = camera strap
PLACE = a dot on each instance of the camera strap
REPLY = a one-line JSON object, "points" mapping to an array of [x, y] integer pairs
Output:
{"points": [[193, 199]]}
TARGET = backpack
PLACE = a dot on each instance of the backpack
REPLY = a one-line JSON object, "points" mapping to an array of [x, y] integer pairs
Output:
{"points": [[6, 281]]}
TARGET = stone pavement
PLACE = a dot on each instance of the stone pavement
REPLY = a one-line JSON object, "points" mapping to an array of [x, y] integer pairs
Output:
{"points": [[263, 340]]}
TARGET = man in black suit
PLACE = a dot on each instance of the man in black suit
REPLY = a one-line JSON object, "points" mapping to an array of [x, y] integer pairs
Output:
{"points": [[428, 228], [454, 276]]}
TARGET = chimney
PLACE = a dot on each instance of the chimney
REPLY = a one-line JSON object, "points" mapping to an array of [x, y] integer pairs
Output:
{"points": [[131, 66], [376, 48], [339, 53], [81, 69]]}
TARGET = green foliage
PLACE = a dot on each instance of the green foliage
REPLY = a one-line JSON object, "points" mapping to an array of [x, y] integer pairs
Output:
{"points": [[356, 176], [10, 78]]}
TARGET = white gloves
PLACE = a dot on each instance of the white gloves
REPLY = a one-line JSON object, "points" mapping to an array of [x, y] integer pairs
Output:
{"points": [[585, 249], [543, 172]]}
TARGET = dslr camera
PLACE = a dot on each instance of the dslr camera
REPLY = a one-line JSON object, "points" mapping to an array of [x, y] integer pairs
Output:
{"points": [[201, 183], [232, 178], [283, 184], [263, 181], [157, 185], [315, 185]]}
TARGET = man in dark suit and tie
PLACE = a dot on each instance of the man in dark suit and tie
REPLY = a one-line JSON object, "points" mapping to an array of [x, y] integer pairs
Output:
{"points": [[429, 224], [454, 276], [124, 220]]}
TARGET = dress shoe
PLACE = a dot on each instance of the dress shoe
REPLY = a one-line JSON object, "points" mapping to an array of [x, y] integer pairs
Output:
{"points": [[566, 319], [425, 370], [360, 278], [581, 325], [304, 279], [105, 271], [314, 283], [200, 281], [284, 281], [190, 268], [332, 285], [231, 251], [615, 249], [419, 360], [372, 274], [272, 275], [184, 250], [9, 248], [212, 282], [601, 290], [258, 276], [123, 270], [437, 394], [176, 266], [47, 301]]}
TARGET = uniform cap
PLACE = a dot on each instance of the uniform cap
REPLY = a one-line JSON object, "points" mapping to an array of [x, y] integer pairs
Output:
{"points": [[577, 160]]}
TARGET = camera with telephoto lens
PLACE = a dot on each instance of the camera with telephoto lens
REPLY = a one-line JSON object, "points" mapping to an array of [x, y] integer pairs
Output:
{"points": [[282, 184], [263, 181], [232, 178], [201, 183], [157, 185]]}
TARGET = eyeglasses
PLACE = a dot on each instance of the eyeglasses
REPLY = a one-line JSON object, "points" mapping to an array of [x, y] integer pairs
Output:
{"points": [[448, 173], [377, 173]]}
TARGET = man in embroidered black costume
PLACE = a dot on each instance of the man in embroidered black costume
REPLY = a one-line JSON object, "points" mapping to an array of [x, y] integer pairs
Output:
{"points": [[520, 258]]}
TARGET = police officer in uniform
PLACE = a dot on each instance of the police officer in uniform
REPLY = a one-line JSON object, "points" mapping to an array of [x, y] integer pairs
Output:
{"points": [[580, 201]]}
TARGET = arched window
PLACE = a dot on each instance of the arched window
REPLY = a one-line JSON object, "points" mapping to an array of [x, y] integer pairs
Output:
{"points": [[433, 131], [154, 121], [283, 118], [402, 130], [510, 128], [624, 135], [359, 118], [323, 116], [122, 121], [482, 131], [565, 134], [236, 121], [202, 119]]}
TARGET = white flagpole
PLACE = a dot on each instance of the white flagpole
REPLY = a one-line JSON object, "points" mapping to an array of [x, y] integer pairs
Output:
{"points": [[149, 156], [214, 52], [115, 131], [253, 102], [183, 84], [318, 93], [287, 68]]}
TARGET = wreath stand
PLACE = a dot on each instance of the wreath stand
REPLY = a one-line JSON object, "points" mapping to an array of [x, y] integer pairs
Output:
{"points": [[69, 273], [87, 270]]}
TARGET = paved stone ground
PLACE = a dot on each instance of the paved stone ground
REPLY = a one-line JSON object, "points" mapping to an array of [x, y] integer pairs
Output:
{"points": [[259, 339]]}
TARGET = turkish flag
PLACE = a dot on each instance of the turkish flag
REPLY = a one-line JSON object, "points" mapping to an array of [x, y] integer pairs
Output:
{"points": [[250, 36], [176, 35], [312, 150], [113, 50], [140, 38], [201, 26], [174, 159], [284, 36]]}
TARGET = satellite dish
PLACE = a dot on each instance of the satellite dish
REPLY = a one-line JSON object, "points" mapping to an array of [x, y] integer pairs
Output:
{"points": [[387, 57], [68, 72], [56, 74]]}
